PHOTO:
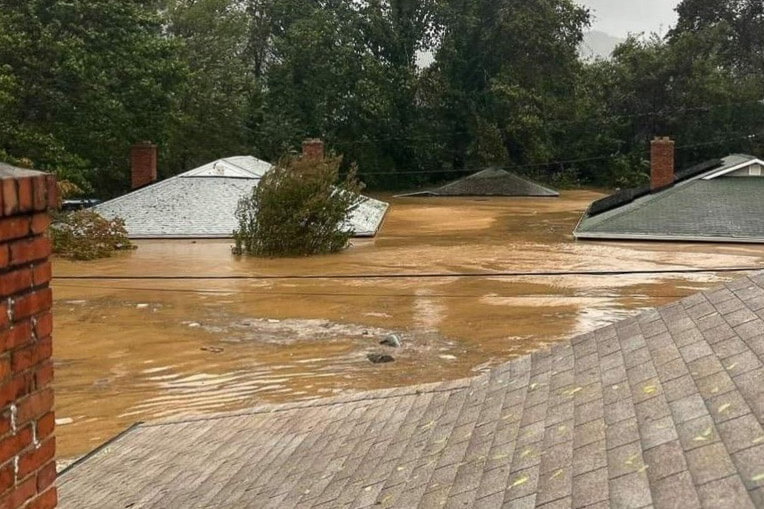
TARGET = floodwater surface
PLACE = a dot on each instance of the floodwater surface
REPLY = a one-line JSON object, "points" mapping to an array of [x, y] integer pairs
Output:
{"points": [[130, 350]]}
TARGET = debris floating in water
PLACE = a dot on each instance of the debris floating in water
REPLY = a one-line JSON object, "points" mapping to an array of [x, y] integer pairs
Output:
{"points": [[379, 358], [391, 340]]}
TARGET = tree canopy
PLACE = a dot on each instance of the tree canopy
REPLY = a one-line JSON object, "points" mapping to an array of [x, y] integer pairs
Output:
{"points": [[81, 80]]}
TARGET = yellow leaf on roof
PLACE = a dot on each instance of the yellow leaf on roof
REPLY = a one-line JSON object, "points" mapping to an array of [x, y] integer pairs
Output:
{"points": [[643, 468], [534, 385], [574, 390], [520, 480], [707, 432], [649, 389], [758, 477], [732, 366], [526, 453], [758, 440], [556, 474], [723, 408]]}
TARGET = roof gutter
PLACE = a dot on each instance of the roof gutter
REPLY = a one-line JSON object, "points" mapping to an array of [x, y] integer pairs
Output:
{"points": [[672, 238]]}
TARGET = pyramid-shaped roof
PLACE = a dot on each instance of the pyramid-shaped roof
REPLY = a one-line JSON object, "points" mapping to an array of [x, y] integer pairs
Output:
{"points": [[489, 182], [201, 203]]}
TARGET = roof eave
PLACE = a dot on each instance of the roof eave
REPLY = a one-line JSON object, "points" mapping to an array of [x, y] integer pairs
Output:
{"points": [[578, 235]]}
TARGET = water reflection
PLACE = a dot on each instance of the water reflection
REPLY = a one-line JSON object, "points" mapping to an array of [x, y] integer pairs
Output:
{"points": [[139, 350]]}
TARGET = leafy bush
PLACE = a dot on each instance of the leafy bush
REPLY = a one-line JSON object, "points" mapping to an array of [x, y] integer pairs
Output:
{"points": [[86, 235], [297, 209]]}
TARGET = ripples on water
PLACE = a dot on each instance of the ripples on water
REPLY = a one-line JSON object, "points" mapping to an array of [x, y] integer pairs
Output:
{"points": [[130, 351]]}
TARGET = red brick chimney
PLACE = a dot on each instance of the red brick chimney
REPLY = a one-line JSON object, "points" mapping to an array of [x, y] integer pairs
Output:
{"points": [[661, 163], [313, 148], [143, 164], [27, 421]]}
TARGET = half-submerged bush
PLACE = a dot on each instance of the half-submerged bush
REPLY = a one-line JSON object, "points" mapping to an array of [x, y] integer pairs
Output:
{"points": [[86, 235], [298, 209]]}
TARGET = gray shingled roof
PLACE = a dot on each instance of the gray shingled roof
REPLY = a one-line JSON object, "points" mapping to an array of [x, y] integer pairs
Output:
{"points": [[723, 209], [201, 203], [661, 410], [489, 182]]}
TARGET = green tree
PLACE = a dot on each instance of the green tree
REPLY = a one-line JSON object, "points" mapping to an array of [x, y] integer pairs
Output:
{"points": [[82, 80], [297, 210]]}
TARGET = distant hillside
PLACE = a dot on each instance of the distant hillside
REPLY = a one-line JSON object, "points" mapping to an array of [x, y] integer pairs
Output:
{"points": [[598, 44]]}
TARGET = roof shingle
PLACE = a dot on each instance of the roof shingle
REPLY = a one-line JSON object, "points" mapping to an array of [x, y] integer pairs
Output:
{"points": [[650, 411]]}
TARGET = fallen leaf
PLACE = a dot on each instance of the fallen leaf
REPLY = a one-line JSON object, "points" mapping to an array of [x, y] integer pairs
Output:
{"points": [[723, 408], [534, 385], [399, 469], [506, 416], [758, 477], [758, 440], [631, 458], [367, 488], [615, 387], [649, 389], [526, 453], [557, 474], [643, 468], [520, 481], [562, 428], [574, 390], [500, 456], [732, 366]]}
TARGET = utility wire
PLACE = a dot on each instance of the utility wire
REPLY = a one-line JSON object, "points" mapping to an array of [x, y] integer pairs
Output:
{"points": [[421, 275], [552, 163], [268, 293]]}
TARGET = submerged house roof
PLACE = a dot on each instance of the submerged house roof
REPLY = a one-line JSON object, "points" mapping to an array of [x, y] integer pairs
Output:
{"points": [[664, 409], [489, 182], [720, 200], [201, 203]]}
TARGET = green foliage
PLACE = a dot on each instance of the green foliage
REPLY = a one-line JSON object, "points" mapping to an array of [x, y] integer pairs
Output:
{"points": [[297, 210], [85, 235], [81, 80]]}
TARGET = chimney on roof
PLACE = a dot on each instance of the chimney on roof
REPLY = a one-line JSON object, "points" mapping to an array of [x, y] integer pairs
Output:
{"points": [[143, 164], [313, 148], [661, 163]]}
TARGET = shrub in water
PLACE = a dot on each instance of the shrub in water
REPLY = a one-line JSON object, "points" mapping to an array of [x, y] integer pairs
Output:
{"points": [[85, 235], [298, 209]]}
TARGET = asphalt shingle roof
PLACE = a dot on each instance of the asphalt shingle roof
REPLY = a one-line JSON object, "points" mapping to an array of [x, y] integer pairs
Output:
{"points": [[489, 182], [664, 409], [722, 209], [201, 203]]}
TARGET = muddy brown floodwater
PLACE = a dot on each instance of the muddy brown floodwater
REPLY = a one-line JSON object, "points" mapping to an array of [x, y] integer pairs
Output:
{"points": [[128, 351]]}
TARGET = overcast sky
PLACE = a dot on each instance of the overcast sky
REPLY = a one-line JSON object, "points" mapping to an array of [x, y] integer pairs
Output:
{"points": [[619, 17]]}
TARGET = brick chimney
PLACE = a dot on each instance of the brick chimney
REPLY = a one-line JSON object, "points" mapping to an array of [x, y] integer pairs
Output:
{"points": [[27, 421], [143, 164], [661, 163], [313, 148]]}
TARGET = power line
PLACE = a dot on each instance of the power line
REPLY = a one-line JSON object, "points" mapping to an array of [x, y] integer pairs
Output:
{"points": [[561, 162], [267, 292], [421, 275]]}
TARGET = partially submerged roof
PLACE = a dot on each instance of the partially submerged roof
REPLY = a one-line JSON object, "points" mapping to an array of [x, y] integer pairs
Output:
{"points": [[720, 200], [664, 409], [489, 182], [201, 203]]}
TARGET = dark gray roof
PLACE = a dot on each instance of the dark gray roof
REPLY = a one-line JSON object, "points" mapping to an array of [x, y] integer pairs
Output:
{"points": [[489, 182], [201, 203], [661, 410], [727, 209]]}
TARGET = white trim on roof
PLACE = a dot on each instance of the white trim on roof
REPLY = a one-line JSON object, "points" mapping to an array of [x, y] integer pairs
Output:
{"points": [[645, 237], [735, 168]]}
